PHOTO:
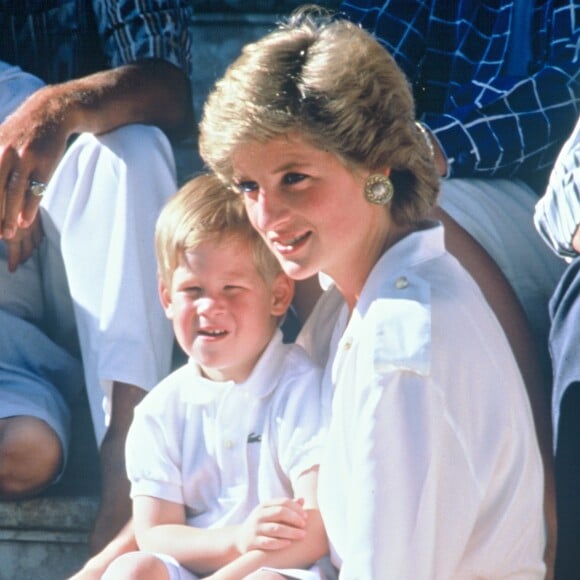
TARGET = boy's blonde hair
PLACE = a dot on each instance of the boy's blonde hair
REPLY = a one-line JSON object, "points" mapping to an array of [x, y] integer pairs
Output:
{"points": [[206, 210]]}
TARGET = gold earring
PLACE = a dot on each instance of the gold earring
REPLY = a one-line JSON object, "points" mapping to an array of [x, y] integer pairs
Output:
{"points": [[379, 189]]}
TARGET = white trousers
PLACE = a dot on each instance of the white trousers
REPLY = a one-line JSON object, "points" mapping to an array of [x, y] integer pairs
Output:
{"points": [[96, 266]]}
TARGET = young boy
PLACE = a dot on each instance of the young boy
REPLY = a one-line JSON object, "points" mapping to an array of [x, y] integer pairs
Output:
{"points": [[219, 449]]}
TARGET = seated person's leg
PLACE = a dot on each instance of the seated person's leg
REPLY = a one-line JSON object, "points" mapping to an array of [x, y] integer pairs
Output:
{"points": [[31, 456], [498, 214], [37, 380], [144, 566]]}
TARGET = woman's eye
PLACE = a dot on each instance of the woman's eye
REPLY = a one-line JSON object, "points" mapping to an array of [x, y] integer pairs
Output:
{"points": [[292, 178], [245, 186]]}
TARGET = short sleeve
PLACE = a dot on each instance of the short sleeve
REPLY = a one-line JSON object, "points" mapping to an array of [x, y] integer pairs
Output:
{"points": [[300, 418], [152, 451]]}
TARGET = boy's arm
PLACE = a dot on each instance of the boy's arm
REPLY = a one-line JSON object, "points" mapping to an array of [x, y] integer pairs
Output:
{"points": [[160, 526], [300, 553]]}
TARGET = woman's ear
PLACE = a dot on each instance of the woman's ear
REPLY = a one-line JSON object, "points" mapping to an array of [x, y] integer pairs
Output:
{"points": [[282, 294], [165, 297]]}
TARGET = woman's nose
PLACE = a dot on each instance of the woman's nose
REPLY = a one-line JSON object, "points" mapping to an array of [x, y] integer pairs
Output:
{"points": [[266, 211]]}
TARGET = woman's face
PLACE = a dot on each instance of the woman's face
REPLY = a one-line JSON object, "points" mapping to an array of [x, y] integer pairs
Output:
{"points": [[308, 207]]}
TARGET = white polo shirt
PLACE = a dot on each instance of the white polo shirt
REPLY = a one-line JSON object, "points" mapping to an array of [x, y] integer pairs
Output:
{"points": [[432, 468], [222, 448]]}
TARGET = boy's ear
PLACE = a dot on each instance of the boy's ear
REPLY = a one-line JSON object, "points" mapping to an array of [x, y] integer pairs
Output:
{"points": [[165, 297], [282, 294]]}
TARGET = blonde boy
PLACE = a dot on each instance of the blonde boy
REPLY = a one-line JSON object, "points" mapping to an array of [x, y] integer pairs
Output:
{"points": [[223, 454]]}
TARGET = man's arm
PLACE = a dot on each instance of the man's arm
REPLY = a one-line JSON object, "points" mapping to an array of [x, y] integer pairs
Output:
{"points": [[486, 127], [34, 137]]}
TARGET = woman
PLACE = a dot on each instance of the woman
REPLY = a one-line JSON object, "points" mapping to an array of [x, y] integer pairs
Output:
{"points": [[432, 467]]}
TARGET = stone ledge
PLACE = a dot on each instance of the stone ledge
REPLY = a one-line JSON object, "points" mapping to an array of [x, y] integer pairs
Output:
{"points": [[45, 538]]}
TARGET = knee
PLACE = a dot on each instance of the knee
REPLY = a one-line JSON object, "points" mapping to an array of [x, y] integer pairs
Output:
{"points": [[30, 456], [136, 566], [137, 143]]}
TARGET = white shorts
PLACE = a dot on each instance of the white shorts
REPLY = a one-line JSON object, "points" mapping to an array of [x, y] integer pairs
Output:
{"points": [[321, 571]]}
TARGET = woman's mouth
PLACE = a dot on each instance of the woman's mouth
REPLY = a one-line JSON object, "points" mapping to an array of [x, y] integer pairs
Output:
{"points": [[290, 245]]}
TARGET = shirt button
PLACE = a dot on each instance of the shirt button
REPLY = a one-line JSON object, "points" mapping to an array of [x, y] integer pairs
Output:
{"points": [[347, 344], [229, 444], [401, 283]]}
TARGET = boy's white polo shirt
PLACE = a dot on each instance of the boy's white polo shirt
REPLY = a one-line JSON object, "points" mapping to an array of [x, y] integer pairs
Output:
{"points": [[221, 448]]}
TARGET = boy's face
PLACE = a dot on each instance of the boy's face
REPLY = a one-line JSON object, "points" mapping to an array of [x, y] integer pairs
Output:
{"points": [[223, 312]]}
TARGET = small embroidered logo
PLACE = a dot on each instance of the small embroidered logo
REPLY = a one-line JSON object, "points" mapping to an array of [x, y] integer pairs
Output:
{"points": [[254, 438]]}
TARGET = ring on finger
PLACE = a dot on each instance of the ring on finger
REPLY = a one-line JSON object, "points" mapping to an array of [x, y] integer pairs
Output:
{"points": [[36, 188]]}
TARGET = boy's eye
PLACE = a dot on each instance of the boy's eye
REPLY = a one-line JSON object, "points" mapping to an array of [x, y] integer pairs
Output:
{"points": [[245, 186], [292, 178]]}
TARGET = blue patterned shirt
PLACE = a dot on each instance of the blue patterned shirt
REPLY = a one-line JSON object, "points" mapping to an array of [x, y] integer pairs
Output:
{"points": [[62, 39], [488, 123]]}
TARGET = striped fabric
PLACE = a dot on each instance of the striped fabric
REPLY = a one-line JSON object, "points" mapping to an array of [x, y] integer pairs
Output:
{"points": [[489, 124]]}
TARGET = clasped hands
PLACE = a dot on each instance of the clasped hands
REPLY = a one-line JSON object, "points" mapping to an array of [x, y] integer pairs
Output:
{"points": [[273, 525]]}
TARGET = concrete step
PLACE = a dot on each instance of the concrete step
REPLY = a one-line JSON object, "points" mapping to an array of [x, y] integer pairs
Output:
{"points": [[44, 538]]}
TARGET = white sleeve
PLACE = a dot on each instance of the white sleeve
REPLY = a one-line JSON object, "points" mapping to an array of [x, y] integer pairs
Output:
{"points": [[404, 515], [298, 423], [153, 453]]}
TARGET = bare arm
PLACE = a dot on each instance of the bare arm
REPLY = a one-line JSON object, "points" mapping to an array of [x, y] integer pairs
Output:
{"points": [[160, 526], [34, 137], [301, 553]]}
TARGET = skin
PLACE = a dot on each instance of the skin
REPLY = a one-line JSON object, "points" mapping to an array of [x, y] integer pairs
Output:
{"points": [[576, 240], [295, 197], [222, 311], [224, 314], [32, 142]]}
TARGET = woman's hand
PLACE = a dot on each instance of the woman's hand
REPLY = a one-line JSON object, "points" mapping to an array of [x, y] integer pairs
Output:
{"points": [[273, 525]]}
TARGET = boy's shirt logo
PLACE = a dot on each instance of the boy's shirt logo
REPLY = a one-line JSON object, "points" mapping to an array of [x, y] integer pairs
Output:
{"points": [[254, 438]]}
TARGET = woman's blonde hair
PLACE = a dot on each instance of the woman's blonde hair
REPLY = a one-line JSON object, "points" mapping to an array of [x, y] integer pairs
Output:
{"points": [[337, 87], [206, 210]]}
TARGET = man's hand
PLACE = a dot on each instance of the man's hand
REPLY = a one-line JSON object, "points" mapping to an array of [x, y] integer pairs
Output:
{"points": [[273, 525], [23, 244], [32, 141]]}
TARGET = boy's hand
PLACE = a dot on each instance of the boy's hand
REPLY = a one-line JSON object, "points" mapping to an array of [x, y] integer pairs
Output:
{"points": [[272, 525]]}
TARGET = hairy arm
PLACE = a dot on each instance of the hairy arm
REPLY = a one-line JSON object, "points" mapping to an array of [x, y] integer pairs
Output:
{"points": [[33, 139]]}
